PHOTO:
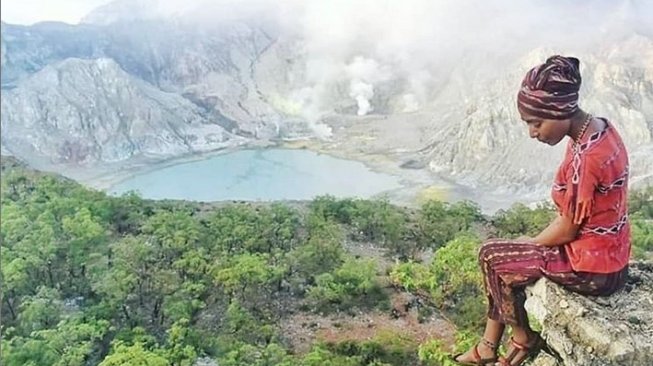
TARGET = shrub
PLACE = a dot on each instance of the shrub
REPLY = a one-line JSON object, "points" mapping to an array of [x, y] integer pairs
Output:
{"points": [[440, 222], [520, 220], [353, 284]]}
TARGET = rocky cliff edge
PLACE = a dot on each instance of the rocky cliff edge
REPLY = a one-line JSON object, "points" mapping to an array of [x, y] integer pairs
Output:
{"points": [[589, 331]]}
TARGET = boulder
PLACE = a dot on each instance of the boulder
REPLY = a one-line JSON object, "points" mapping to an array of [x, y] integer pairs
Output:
{"points": [[587, 331]]}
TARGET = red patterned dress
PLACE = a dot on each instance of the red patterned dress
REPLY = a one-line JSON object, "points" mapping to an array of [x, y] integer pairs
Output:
{"points": [[591, 186]]}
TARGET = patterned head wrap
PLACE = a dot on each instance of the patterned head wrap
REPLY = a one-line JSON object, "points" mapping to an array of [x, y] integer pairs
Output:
{"points": [[550, 90]]}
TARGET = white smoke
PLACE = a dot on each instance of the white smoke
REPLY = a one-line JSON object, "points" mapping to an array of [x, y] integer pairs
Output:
{"points": [[363, 74], [395, 56], [410, 103], [416, 45], [362, 93]]}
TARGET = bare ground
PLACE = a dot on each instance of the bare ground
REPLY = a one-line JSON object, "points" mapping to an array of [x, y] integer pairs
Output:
{"points": [[301, 330]]}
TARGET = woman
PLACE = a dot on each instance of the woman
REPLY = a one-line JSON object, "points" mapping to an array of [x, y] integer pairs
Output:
{"points": [[587, 246]]}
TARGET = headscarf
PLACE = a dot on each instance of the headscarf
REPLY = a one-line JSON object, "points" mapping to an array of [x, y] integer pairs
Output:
{"points": [[550, 90]]}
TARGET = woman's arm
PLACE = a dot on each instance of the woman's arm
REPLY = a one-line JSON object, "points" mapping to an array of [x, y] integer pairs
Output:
{"points": [[560, 231]]}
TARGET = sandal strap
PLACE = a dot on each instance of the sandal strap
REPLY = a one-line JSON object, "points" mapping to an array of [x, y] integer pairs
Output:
{"points": [[521, 347], [478, 360], [517, 348], [477, 355], [503, 362]]}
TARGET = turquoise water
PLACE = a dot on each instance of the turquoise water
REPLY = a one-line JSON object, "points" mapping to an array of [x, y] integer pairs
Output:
{"points": [[260, 175]]}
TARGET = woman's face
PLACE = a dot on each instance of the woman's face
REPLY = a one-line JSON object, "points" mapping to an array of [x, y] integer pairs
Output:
{"points": [[548, 131]]}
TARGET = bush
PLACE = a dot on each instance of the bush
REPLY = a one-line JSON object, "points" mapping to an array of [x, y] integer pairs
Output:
{"points": [[322, 252], [453, 280], [250, 355], [320, 355], [411, 276], [354, 283], [440, 222], [330, 208], [642, 238], [434, 353], [641, 202], [458, 281], [520, 220], [384, 349]]}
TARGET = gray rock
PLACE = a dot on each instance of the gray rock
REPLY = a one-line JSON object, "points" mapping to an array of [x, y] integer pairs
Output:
{"points": [[605, 331], [85, 111]]}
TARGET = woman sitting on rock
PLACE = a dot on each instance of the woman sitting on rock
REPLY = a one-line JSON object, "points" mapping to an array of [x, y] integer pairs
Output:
{"points": [[587, 246]]}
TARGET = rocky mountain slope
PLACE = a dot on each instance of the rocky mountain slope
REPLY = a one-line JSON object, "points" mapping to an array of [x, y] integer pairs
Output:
{"points": [[488, 141], [80, 111], [139, 80]]}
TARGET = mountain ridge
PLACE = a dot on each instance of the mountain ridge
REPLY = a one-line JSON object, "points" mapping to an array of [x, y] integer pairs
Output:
{"points": [[262, 83]]}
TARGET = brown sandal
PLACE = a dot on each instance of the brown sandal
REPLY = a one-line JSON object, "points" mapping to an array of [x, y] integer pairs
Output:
{"points": [[478, 361], [526, 350]]}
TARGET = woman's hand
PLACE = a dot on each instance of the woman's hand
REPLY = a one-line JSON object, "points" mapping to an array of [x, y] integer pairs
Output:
{"points": [[524, 238]]}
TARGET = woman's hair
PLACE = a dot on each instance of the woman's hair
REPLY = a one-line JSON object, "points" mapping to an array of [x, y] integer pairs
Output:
{"points": [[550, 90]]}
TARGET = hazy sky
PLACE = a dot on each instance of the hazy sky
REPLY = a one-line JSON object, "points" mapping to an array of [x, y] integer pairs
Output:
{"points": [[32, 11], [372, 42], [410, 13]]}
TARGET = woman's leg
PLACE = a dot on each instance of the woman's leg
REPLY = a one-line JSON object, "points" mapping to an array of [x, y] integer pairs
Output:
{"points": [[487, 348], [493, 331], [508, 267], [505, 264]]}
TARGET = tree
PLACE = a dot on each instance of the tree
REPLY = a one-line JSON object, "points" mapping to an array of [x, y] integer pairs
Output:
{"points": [[322, 251], [332, 209], [129, 286], [174, 232], [234, 229], [83, 236], [178, 350], [74, 342], [241, 326], [245, 277], [133, 355], [41, 311], [128, 212]]}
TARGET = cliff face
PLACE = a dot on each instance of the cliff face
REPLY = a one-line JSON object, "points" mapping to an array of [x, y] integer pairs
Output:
{"points": [[211, 67], [81, 111], [596, 331]]}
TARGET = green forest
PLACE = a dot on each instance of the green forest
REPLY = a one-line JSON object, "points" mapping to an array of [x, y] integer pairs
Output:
{"points": [[91, 279]]}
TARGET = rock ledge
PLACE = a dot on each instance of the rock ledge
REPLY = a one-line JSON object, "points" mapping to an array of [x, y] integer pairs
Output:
{"points": [[589, 331]]}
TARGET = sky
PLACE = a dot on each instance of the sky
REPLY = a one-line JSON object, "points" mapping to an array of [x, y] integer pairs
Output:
{"points": [[71, 11], [27, 12]]}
